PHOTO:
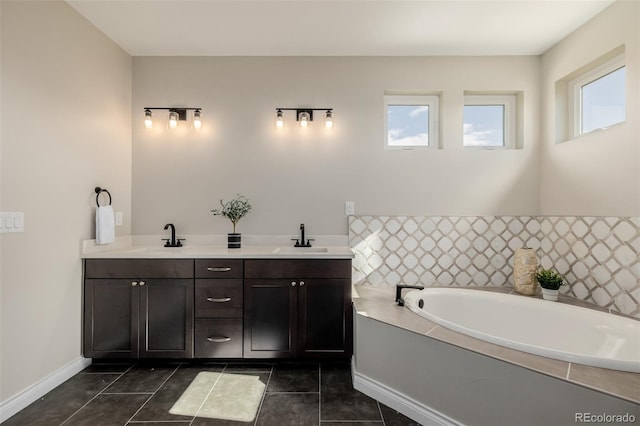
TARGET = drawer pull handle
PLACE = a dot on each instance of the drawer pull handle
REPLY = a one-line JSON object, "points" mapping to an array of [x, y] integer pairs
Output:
{"points": [[221, 339], [219, 269], [218, 299], [134, 283]]}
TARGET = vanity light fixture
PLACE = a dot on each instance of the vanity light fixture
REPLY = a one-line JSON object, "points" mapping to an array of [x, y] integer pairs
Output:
{"points": [[304, 116], [328, 121], [148, 120], [173, 119], [197, 119], [175, 116], [279, 119]]}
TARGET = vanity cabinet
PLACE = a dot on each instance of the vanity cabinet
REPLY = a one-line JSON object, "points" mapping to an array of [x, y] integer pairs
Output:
{"points": [[218, 308], [297, 308], [138, 308]]}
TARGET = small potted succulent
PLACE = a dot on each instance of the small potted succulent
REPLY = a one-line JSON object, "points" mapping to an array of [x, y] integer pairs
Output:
{"points": [[550, 281], [234, 210]]}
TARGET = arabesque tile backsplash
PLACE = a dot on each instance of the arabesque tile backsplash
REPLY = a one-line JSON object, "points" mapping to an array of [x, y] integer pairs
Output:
{"points": [[599, 256]]}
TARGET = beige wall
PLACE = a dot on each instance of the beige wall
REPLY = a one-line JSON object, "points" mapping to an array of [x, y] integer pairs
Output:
{"points": [[299, 176], [66, 127], [597, 174]]}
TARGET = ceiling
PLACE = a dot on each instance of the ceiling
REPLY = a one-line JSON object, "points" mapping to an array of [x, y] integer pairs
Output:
{"points": [[337, 28]]}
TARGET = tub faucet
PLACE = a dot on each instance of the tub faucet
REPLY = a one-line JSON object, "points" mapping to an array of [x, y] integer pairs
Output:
{"points": [[400, 287], [172, 242], [301, 242]]}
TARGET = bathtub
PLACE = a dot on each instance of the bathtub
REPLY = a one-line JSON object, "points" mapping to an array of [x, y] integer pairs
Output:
{"points": [[549, 329]]}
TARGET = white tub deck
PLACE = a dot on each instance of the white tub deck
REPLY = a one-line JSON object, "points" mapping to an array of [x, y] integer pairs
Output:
{"points": [[377, 302]]}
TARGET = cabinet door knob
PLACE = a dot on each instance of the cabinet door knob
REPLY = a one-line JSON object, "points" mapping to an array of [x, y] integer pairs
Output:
{"points": [[293, 283], [301, 283], [218, 299], [220, 339], [219, 269], [142, 283], [134, 283]]}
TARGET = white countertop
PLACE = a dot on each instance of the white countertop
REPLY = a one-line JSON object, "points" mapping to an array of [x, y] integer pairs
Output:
{"points": [[204, 247]]}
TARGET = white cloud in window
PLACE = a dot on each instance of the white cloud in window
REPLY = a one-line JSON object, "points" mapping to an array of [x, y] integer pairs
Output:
{"points": [[396, 138], [473, 137]]}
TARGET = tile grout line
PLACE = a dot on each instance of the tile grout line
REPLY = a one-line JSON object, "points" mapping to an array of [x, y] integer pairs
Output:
{"points": [[195, 416], [264, 395], [319, 394], [381, 415], [128, 393], [98, 394], [154, 393]]}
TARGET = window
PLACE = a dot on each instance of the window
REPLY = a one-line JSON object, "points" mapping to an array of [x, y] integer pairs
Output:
{"points": [[597, 98], [489, 121], [411, 122]]}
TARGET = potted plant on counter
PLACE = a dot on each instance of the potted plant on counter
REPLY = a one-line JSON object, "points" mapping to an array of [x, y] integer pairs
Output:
{"points": [[550, 281], [234, 210]]}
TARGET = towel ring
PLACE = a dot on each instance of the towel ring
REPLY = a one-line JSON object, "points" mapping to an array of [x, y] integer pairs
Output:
{"points": [[98, 191]]}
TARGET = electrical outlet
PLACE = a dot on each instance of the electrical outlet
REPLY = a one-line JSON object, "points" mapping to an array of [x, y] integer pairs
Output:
{"points": [[349, 208], [119, 217]]}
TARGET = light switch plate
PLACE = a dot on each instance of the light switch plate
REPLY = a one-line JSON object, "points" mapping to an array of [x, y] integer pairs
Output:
{"points": [[349, 208], [119, 218], [11, 222]]}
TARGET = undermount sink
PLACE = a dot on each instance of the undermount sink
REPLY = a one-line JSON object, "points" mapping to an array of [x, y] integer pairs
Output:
{"points": [[160, 250], [289, 250]]}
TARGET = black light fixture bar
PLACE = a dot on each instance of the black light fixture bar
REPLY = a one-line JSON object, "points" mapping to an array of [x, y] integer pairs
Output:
{"points": [[182, 112], [307, 110]]}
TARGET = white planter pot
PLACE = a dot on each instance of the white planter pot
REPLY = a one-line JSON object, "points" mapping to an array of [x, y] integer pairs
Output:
{"points": [[550, 294]]}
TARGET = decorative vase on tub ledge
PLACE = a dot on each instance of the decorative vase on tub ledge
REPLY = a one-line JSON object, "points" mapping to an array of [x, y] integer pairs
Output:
{"points": [[233, 210], [525, 265]]}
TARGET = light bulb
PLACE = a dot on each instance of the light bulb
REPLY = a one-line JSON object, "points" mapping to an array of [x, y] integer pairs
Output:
{"points": [[148, 120], [279, 119], [173, 119], [328, 123], [304, 119], [197, 120]]}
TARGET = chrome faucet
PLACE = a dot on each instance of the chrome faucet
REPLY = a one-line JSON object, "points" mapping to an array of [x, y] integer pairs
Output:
{"points": [[301, 242], [172, 242]]}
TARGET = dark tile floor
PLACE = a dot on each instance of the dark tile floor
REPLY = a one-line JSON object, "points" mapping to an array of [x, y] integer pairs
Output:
{"points": [[181, 394]]}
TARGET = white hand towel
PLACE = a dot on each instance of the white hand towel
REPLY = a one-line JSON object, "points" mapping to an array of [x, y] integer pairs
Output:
{"points": [[105, 225]]}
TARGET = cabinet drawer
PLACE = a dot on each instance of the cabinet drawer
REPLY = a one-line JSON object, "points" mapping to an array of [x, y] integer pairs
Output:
{"points": [[297, 268], [219, 298], [218, 338], [138, 268], [219, 268]]}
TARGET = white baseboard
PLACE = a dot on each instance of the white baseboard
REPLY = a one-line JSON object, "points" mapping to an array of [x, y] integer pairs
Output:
{"points": [[398, 401], [21, 400]]}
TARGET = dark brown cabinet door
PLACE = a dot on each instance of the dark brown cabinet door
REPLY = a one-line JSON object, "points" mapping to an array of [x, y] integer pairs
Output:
{"points": [[325, 318], [110, 318], [129, 316], [270, 319], [166, 318]]}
